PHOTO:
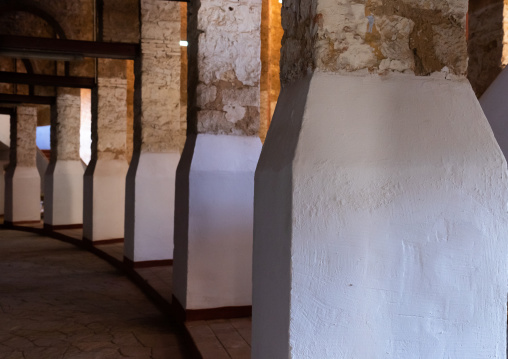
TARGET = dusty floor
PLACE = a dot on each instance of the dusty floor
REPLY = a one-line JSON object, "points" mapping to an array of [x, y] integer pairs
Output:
{"points": [[57, 301]]}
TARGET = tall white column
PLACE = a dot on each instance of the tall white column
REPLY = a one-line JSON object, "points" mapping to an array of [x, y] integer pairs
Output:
{"points": [[104, 180], [150, 196], [63, 193], [215, 177], [380, 195], [22, 180]]}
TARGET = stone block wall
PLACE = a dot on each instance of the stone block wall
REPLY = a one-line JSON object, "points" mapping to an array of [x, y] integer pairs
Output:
{"points": [[65, 137], [23, 146], [374, 36], [224, 66], [160, 77]]}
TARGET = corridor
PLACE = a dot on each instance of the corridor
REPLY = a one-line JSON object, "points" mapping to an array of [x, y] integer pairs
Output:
{"points": [[58, 301]]}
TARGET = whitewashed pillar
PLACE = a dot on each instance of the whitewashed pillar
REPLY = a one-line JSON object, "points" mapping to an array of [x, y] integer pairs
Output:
{"points": [[215, 177], [380, 201], [104, 179], [63, 193], [22, 180], [150, 196]]}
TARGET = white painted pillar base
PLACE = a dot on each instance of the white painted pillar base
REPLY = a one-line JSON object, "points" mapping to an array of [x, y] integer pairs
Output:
{"points": [[63, 195], [22, 195], [104, 200], [380, 223], [150, 207], [213, 221]]}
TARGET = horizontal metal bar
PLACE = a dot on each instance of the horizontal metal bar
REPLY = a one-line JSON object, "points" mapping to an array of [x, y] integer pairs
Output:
{"points": [[47, 80], [28, 99], [61, 48]]}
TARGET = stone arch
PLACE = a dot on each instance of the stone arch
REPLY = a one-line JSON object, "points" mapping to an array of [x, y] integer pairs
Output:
{"points": [[34, 9]]}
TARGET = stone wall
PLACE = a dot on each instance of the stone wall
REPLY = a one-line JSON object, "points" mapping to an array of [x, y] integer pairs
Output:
{"points": [[487, 42], [373, 35], [224, 66], [109, 137], [23, 146], [160, 77], [65, 131]]}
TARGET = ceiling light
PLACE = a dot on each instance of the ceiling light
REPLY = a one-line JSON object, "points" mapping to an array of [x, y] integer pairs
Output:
{"points": [[183, 43]]}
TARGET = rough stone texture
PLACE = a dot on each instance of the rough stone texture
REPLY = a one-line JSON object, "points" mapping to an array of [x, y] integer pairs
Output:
{"points": [[407, 36], [129, 145], [66, 126], [57, 301], [160, 77], [24, 142], [183, 71], [224, 66], [488, 36], [120, 21], [110, 132]]}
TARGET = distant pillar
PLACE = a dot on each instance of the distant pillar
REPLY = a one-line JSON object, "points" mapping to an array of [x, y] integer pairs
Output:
{"points": [[380, 195], [215, 177], [63, 193], [150, 196], [22, 180], [104, 179]]}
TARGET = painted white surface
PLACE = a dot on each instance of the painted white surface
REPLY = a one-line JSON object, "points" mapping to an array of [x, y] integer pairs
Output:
{"points": [[85, 131], [394, 230], [5, 130], [22, 195], [42, 137], [219, 248], [63, 195], [105, 199], [150, 207], [495, 107], [42, 164], [3, 164]]}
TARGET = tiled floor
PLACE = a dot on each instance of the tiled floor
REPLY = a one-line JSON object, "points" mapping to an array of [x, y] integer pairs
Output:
{"points": [[214, 339], [217, 339], [59, 301]]}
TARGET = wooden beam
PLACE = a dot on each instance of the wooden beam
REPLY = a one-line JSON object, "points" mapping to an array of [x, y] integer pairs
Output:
{"points": [[28, 99], [25, 46], [7, 111], [47, 80]]}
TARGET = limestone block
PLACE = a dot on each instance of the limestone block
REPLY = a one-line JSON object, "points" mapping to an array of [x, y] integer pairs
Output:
{"points": [[25, 146], [65, 142], [112, 115], [160, 74], [228, 66], [399, 35]]}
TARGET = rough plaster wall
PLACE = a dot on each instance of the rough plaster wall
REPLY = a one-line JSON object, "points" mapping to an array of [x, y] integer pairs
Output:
{"points": [[160, 77], [108, 138], [406, 36], [486, 43], [225, 67], [25, 147], [65, 137]]}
